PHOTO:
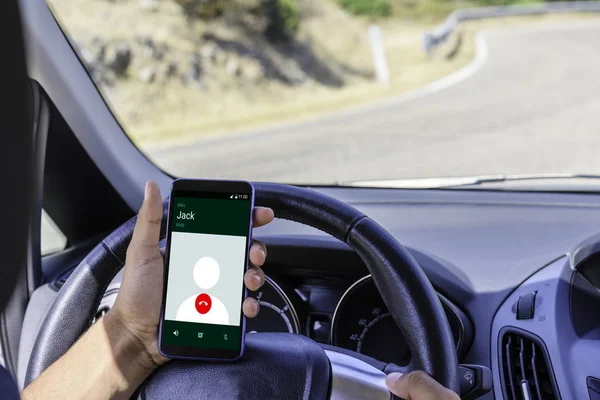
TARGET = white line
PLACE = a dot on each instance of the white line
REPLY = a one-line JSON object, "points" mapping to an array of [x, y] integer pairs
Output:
{"points": [[481, 55]]}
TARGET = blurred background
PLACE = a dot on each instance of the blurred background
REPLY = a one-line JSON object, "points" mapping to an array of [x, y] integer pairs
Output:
{"points": [[217, 88], [172, 68]]}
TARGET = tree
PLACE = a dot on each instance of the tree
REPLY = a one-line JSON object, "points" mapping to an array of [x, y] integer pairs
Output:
{"points": [[282, 19]]}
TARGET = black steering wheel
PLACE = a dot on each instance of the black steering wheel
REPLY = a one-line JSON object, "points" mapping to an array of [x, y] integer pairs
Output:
{"points": [[274, 365]]}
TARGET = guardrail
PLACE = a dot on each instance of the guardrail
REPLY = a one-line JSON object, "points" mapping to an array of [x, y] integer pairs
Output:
{"points": [[438, 36]]}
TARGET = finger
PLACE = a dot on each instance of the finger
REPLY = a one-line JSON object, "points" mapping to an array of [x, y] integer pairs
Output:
{"points": [[262, 216], [250, 307], [417, 385], [254, 278], [258, 253], [147, 227]]}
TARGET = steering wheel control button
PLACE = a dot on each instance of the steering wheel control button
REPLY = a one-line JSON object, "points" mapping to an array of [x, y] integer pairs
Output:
{"points": [[475, 381], [176, 333], [526, 306], [467, 379], [203, 303], [200, 335]]}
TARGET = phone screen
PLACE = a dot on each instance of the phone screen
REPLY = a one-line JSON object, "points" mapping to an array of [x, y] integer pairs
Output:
{"points": [[207, 243]]}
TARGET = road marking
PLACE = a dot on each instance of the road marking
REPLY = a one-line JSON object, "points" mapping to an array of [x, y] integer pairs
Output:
{"points": [[481, 55]]}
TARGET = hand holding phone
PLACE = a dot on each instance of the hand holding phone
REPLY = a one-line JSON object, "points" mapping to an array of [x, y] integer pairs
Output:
{"points": [[208, 237], [138, 305]]}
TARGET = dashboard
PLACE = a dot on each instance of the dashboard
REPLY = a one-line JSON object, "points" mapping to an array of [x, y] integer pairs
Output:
{"points": [[482, 251], [354, 319]]}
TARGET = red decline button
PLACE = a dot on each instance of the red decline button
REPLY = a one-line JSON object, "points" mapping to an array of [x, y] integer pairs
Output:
{"points": [[203, 303]]}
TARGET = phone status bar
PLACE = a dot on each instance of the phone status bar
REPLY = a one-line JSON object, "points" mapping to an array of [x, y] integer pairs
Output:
{"points": [[212, 195]]}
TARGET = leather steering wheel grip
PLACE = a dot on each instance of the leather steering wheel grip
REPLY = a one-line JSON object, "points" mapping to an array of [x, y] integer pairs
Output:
{"points": [[402, 283], [411, 298]]}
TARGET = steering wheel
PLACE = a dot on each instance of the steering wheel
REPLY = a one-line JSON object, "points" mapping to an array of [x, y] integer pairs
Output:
{"points": [[275, 365]]}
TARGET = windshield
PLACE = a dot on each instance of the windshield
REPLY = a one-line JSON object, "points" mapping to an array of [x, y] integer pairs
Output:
{"points": [[329, 91]]}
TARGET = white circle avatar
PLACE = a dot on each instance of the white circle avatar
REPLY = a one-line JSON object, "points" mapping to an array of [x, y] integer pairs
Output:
{"points": [[206, 272]]}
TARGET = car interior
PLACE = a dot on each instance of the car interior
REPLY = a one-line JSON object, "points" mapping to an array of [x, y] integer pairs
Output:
{"points": [[492, 291]]}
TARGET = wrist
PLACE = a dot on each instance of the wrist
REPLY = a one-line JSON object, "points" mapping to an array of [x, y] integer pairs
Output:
{"points": [[131, 353]]}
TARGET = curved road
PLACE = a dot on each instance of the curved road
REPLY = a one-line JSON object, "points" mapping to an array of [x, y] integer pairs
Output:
{"points": [[532, 107]]}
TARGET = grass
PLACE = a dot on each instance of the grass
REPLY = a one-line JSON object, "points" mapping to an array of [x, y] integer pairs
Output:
{"points": [[427, 10], [437, 10]]}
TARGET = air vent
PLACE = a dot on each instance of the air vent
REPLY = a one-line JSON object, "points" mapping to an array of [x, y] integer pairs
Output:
{"points": [[526, 371]]}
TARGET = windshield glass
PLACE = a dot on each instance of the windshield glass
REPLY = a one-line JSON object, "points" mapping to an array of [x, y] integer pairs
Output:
{"points": [[329, 91]]}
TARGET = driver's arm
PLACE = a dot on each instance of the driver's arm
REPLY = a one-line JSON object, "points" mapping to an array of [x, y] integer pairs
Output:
{"points": [[417, 385], [108, 362], [118, 352]]}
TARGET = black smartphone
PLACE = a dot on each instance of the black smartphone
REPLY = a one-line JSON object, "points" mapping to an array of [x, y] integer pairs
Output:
{"points": [[209, 229]]}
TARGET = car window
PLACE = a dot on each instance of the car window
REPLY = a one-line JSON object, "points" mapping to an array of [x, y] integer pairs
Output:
{"points": [[330, 91], [52, 239]]}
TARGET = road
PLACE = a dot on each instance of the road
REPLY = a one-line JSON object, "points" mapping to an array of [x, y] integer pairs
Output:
{"points": [[533, 106]]}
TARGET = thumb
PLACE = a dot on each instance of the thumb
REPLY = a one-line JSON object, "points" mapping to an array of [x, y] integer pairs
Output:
{"points": [[417, 385], [147, 227]]}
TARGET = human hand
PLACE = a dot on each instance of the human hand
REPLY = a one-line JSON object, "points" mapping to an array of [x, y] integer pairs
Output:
{"points": [[137, 308], [417, 385]]}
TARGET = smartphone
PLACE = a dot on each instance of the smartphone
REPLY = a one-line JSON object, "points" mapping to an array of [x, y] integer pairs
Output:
{"points": [[208, 237]]}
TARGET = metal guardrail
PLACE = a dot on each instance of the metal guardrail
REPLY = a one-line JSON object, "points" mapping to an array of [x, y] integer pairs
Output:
{"points": [[438, 36]]}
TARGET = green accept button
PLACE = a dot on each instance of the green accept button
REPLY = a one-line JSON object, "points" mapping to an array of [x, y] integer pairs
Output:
{"points": [[225, 337]]}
